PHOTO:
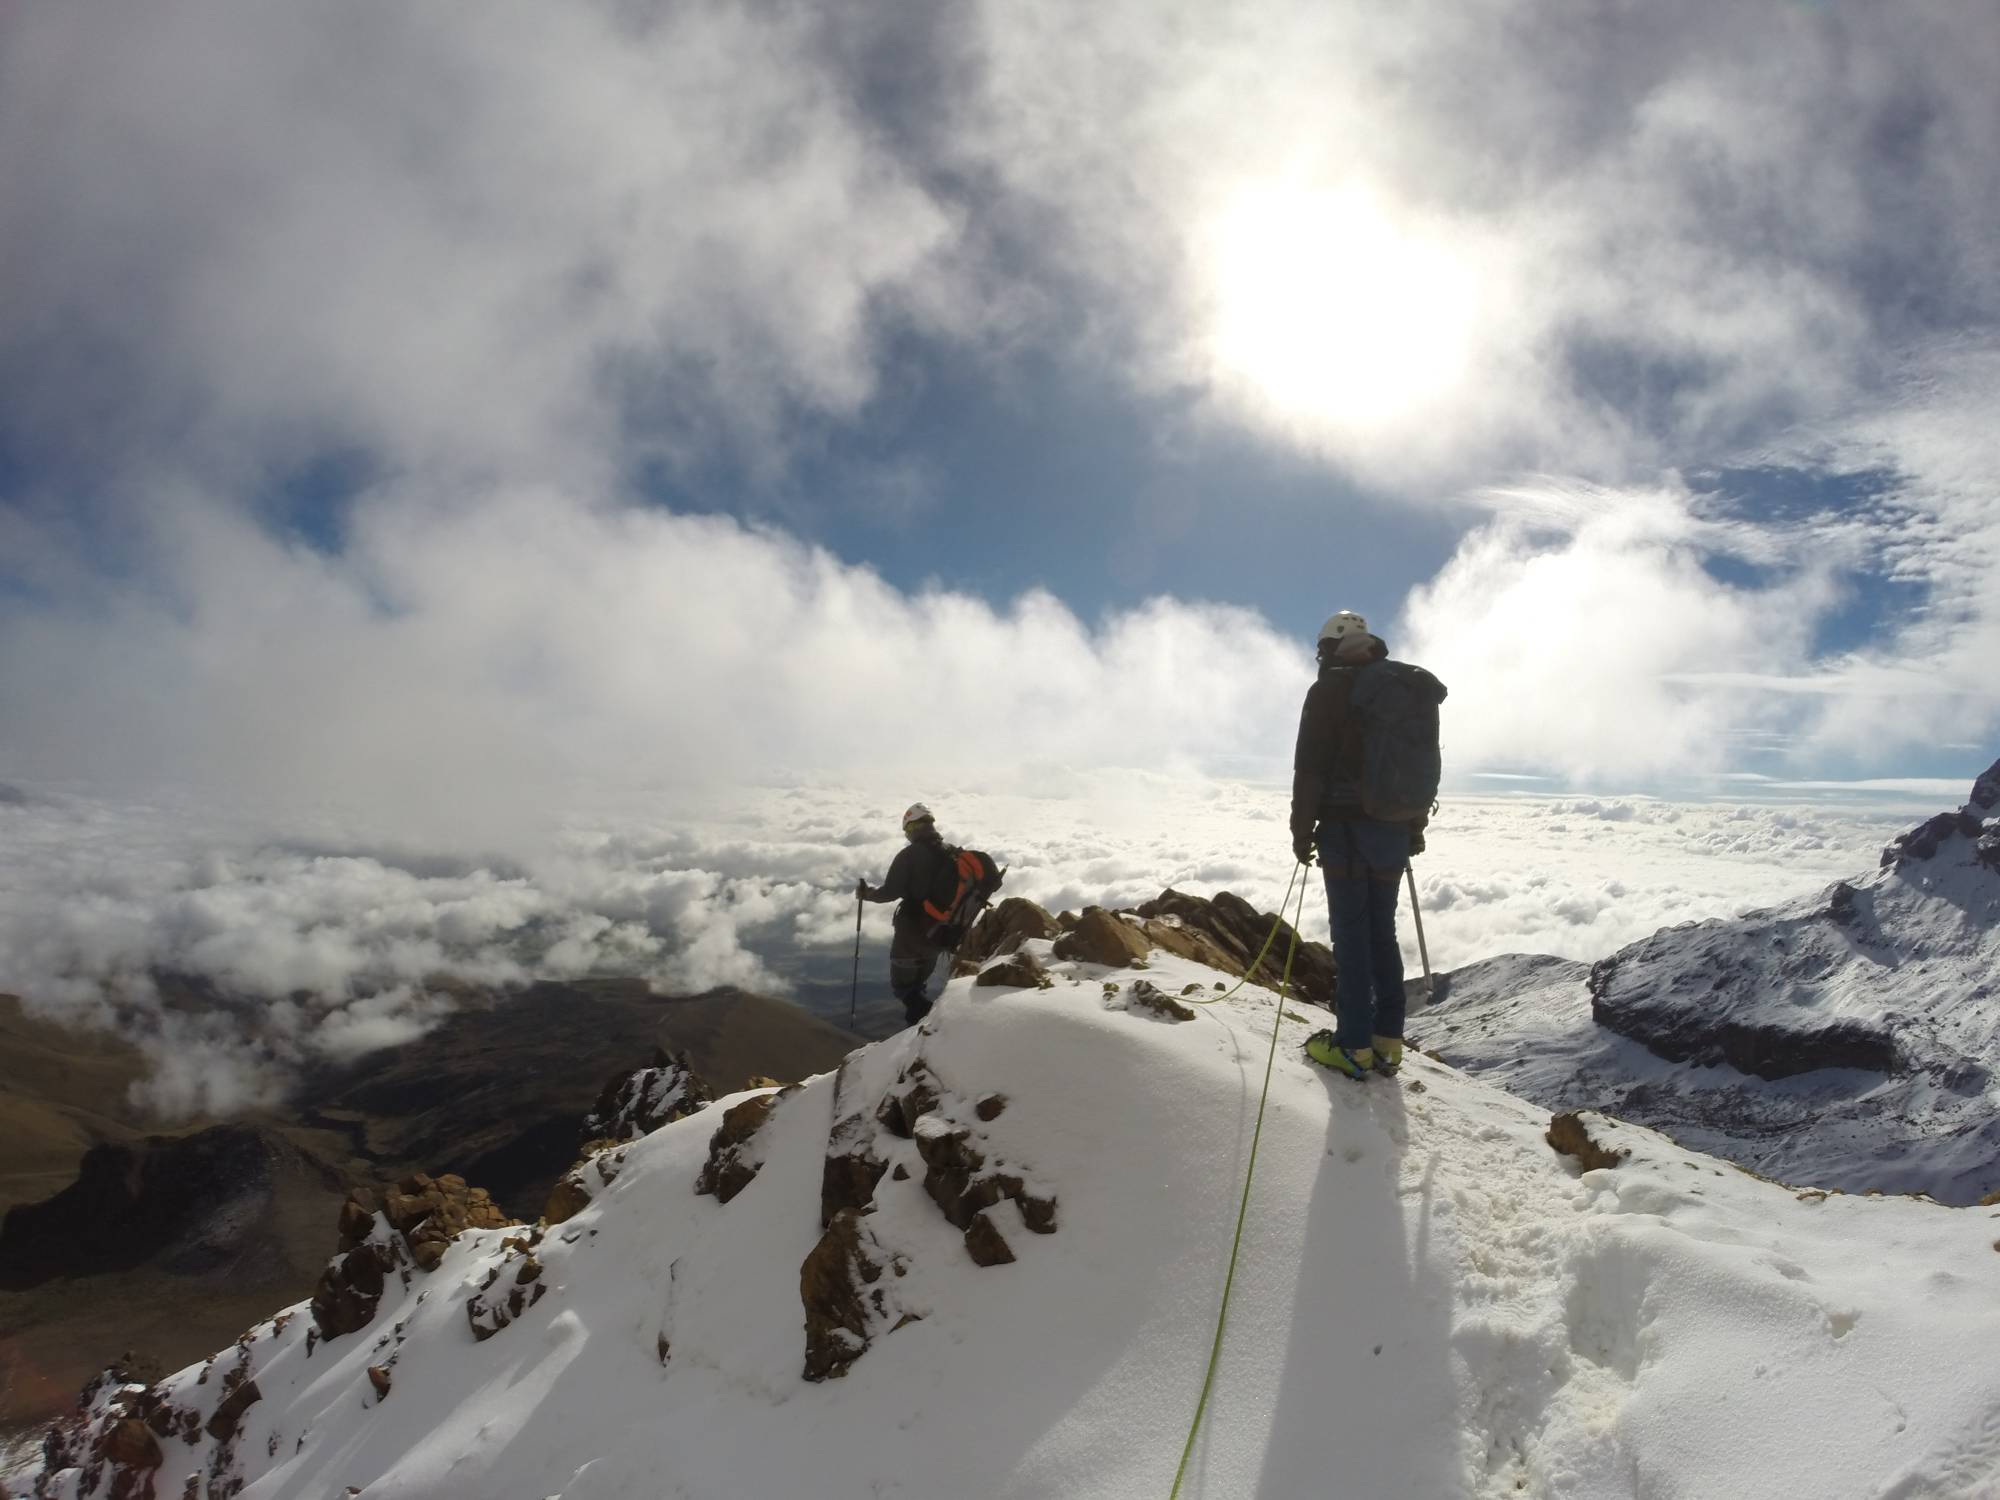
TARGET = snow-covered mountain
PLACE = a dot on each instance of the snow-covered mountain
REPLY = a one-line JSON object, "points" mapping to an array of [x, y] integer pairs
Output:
{"points": [[1850, 1039], [984, 1258]]}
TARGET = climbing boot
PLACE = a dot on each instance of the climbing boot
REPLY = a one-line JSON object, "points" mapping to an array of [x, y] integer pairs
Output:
{"points": [[1328, 1053], [1388, 1052]]}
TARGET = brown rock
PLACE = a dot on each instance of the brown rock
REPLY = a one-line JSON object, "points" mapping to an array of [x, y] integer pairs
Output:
{"points": [[991, 1188], [568, 1198], [1570, 1135], [991, 1107], [839, 1286], [1149, 997], [1101, 938], [229, 1411], [357, 1219], [759, 1081], [349, 1290], [1021, 972], [915, 1094], [730, 1169], [405, 1211], [429, 1251], [488, 1312], [131, 1443], [951, 1161], [985, 1243], [1228, 932], [378, 1377], [847, 1181], [1003, 928]]}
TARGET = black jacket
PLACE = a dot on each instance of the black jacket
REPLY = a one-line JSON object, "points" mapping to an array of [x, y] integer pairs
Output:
{"points": [[1326, 763], [913, 875]]}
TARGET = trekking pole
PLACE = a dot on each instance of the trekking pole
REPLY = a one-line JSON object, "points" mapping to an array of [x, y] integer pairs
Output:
{"points": [[854, 994], [1417, 912]]}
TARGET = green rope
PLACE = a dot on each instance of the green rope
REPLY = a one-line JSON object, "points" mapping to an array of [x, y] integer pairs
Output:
{"points": [[1249, 1176]]}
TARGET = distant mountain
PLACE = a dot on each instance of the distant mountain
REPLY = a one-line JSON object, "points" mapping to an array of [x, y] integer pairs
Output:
{"points": [[1849, 1040], [118, 1238], [983, 1259]]}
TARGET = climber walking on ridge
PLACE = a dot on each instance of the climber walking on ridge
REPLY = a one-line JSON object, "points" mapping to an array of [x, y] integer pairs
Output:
{"points": [[1364, 782], [941, 891]]}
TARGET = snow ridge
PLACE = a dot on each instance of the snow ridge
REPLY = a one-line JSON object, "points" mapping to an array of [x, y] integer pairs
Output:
{"points": [[1432, 1302]]}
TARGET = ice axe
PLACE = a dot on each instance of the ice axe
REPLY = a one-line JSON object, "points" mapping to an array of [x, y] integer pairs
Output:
{"points": [[1417, 912]]}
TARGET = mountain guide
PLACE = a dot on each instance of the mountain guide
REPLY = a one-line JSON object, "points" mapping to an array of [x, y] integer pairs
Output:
{"points": [[942, 890], [1364, 782]]}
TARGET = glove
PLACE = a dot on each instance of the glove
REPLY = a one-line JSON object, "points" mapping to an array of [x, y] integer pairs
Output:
{"points": [[861, 890], [1416, 842], [1302, 848]]}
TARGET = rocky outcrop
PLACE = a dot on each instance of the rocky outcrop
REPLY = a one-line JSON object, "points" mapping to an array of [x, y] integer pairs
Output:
{"points": [[1924, 841], [735, 1155], [1022, 971], [430, 1212], [510, 1288], [350, 1289], [131, 1442], [1099, 937], [847, 1282], [411, 1224], [576, 1188], [846, 1303], [240, 1393], [1986, 791], [1002, 929], [639, 1102], [1227, 933]]}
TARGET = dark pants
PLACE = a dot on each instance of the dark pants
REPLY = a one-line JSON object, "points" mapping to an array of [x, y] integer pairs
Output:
{"points": [[913, 958], [1364, 861]]}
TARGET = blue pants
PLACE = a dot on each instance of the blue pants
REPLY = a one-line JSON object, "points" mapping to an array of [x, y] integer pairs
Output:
{"points": [[1363, 861]]}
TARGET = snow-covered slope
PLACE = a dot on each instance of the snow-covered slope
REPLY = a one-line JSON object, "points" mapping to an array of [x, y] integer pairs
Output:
{"points": [[1851, 1039], [1431, 1302]]}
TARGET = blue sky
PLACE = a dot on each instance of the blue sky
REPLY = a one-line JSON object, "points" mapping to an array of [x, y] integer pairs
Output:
{"points": [[385, 387]]}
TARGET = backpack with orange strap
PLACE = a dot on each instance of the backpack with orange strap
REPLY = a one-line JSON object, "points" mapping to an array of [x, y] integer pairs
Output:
{"points": [[964, 883]]}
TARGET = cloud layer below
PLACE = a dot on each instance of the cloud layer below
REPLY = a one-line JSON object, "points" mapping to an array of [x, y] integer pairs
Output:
{"points": [[320, 946]]}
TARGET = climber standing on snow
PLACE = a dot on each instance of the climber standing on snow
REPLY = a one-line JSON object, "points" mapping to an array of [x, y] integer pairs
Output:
{"points": [[1364, 782], [920, 866]]}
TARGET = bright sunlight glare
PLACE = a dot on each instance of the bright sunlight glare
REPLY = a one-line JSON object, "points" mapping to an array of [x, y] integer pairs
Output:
{"points": [[1329, 312]]}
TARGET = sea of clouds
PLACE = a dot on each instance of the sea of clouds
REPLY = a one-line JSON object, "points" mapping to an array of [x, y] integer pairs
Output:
{"points": [[322, 944]]}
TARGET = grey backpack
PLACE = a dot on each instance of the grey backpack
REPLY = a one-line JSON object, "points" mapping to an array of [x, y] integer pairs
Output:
{"points": [[1396, 705]]}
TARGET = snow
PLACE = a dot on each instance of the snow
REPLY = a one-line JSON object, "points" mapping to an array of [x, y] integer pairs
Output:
{"points": [[1431, 1302]]}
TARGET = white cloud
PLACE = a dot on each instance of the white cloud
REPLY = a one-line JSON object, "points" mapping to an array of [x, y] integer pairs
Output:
{"points": [[1584, 632], [1657, 230], [524, 240], [487, 670], [502, 235]]}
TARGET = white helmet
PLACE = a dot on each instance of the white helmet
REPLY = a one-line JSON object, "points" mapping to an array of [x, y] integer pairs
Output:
{"points": [[1346, 623], [914, 814]]}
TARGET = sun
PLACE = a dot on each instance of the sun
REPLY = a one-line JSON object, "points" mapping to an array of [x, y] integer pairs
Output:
{"points": [[1331, 312]]}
